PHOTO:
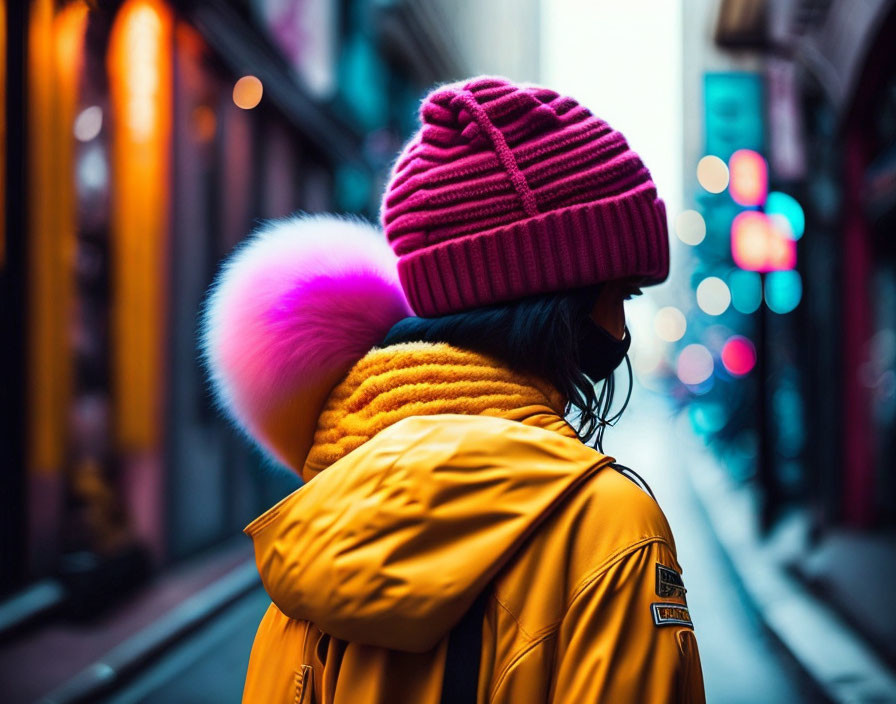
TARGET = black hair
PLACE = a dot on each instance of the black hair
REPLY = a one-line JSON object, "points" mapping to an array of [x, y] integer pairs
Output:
{"points": [[539, 335]]}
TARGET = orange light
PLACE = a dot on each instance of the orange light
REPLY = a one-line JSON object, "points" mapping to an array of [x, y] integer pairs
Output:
{"points": [[247, 92], [140, 27], [758, 245], [55, 56], [140, 88], [748, 183]]}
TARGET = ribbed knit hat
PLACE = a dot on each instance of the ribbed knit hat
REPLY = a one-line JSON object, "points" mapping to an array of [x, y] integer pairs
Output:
{"points": [[510, 190]]}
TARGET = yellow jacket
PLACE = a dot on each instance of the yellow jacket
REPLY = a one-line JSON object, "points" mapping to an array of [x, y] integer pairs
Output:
{"points": [[438, 466]]}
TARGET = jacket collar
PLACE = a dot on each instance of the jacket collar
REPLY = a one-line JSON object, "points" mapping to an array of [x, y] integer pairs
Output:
{"points": [[422, 379]]}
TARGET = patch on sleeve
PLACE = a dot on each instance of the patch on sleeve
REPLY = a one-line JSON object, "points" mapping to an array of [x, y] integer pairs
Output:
{"points": [[668, 583], [671, 614]]}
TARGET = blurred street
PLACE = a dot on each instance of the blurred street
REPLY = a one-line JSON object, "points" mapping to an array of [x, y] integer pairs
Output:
{"points": [[742, 662], [210, 666]]}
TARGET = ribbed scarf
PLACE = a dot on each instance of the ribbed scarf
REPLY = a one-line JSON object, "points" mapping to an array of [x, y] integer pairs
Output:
{"points": [[419, 378]]}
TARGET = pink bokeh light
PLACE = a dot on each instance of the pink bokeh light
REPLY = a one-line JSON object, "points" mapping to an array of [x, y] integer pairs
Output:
{"points": [[738, 355], [748, 184], [758, 244]]}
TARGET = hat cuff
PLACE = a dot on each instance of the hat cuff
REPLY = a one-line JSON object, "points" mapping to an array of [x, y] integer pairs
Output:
{"points": [[563, 249]]}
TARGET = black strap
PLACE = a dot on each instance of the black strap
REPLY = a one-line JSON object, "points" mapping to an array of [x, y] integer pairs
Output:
{"points": [[464, 652], [633, 477], [461, 679]]}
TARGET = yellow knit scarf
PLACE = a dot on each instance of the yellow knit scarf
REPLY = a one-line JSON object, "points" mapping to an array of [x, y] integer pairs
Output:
{"points": [[421, 378]]}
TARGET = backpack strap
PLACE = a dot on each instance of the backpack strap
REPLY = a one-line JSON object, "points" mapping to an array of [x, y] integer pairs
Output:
{"points": [[464, 653], [461, 678], [633, 477]]}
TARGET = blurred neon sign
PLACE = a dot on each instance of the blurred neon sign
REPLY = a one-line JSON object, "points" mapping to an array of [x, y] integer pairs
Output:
{"points": [[786, 211], [758, 244], [748, 174]]}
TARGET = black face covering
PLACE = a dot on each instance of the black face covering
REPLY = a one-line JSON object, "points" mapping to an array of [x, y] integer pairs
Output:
{"points": [[600, 353]]}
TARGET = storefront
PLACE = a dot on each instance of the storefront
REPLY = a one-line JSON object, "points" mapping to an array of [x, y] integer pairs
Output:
{"points": [[153, 140], [849, 104]]}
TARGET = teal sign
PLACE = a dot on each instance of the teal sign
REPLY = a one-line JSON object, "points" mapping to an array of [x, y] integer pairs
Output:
{"points": [[733, 119]]}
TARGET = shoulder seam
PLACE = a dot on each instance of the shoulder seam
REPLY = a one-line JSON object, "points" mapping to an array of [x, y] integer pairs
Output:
{"points": [[618, 556], [546, 632]]}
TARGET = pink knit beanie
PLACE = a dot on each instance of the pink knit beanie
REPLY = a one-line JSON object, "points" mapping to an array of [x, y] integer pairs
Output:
{"points": [[510, 190]]}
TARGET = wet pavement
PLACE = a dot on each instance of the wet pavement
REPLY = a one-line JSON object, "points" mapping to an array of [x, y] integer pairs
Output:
{"points": [[742, 662], [208, 667]]}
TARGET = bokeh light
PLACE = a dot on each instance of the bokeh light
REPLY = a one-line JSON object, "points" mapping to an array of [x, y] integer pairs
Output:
{"points": [[746, 291], [781, 250], [670, 324], [88, 123], [712, 174], [690, 227], [645, 353], [142, 63], [783, 291], [695, 365], [749, 234], [247, 92], [748, 174], [92, 170], [738, 355], [713, 295], [758, 245], [783, 208], [707, 417]]}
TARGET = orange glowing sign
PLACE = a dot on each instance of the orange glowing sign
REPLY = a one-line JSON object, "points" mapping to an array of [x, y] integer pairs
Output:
{"points": [[748, 184], [757, 244], [54, 65], [141, 94]]}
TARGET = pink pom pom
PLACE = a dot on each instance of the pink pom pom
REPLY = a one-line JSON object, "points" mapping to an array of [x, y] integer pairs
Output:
{"points": [[292, 310]]}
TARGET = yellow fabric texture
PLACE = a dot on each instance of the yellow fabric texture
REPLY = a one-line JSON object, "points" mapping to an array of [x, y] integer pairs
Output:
{"points": [[424, 379], [422, 493]]}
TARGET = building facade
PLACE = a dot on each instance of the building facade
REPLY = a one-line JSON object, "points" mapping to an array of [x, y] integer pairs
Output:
{"points": [[144, 140]]}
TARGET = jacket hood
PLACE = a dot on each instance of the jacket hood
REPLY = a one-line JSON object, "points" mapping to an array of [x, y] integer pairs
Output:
{"points": [[391, 544]]}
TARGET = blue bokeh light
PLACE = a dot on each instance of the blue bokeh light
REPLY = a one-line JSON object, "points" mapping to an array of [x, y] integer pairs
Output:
{"points": [[786, 206], [746, 291], [783, 290]]}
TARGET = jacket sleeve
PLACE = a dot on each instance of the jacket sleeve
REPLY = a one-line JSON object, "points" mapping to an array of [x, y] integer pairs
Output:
{"points": [[615, 645]]}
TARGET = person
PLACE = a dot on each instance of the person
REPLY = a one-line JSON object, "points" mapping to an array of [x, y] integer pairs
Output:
{"points": [[435, 389]]}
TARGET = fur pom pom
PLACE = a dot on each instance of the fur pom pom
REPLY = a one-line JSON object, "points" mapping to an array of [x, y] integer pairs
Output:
{"points": [[294, 307]]}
